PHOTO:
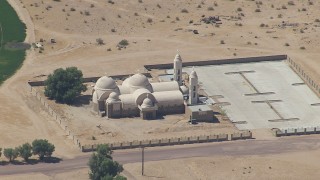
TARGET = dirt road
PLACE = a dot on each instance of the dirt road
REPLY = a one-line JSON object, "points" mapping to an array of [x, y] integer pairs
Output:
{"points": [[237, 148]]}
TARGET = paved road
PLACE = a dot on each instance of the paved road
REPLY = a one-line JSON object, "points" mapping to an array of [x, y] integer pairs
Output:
{"points": [[236, 148]]}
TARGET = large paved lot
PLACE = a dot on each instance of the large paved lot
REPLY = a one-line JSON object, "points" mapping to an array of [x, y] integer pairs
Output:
{"points": [[261, 95]]}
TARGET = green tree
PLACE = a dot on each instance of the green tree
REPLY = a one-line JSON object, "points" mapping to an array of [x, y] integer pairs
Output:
{"points": [[10, 153], [0, 152], [25, 151], [105, 150], [64, 85], [42, 147], [102, 166]]}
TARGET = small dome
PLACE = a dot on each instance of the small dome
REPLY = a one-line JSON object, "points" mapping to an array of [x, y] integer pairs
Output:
{"points": [[193, 74], [184, 89], [147, 102], [177, 58], [113, 96], [105, 82], [139, 80]]}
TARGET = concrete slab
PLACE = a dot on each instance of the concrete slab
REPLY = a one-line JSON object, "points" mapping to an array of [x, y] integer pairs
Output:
{"points": [[290, 101]]}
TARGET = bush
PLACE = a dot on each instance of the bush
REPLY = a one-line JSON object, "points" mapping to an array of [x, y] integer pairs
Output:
{"points": [[64, 85], [42, 147], [11, 153], [239, 9], [100, 41], [25, 151], [149, 20], [184, 11], [210, 8], [123, 43]]}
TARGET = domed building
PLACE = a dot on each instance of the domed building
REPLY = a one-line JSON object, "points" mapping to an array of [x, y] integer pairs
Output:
{"points": [[137, 97]]}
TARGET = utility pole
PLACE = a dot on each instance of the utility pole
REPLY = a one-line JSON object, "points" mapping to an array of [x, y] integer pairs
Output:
{"points": [[142, 160]]}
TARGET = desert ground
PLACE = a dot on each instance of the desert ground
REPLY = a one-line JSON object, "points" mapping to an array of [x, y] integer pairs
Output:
{"points": [[155, 30]]}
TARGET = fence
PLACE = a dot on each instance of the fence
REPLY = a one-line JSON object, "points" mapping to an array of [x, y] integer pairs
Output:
{"points": [[296, 131], [171, 141], [241, 135], [55, 115], [219, 62], [92, 79], [304, 76]]}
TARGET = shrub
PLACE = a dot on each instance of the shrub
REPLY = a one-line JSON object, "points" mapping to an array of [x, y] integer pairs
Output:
{"points": [[100, 41], [87, 13], [291, 3], [123, 43], [184, 11], [42, 147], [257, 10], [149, 20], [64, 85], [25, 151], [239, 9], [210, 8], [10, 153]]}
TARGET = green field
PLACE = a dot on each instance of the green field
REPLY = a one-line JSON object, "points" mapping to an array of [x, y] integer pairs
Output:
{"points": [[11, 30]]}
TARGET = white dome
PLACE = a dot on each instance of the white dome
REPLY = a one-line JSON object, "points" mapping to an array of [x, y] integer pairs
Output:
{"points": [[105, 82], [113, 96], [147, 102], [177, 58], [184, 89], [139, 80], [193, 74]]}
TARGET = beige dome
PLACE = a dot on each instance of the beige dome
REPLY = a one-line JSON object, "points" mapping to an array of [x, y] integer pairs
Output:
{"points": [[147, 102], [113, 96], [193, 74], [139, 80], [105, 82], [177, 58]]}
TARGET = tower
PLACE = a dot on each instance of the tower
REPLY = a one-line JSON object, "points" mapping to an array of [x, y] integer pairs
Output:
{"points": [[177, 68], [193, 88]]}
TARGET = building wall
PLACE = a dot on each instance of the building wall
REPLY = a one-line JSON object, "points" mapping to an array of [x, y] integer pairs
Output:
{"points": [[204, 116]]}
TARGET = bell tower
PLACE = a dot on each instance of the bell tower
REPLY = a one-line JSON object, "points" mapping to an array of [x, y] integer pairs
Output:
{"points": [[193, 88], [177, 67]]}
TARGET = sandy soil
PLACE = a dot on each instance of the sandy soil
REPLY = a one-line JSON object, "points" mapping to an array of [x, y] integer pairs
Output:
{"points": [[282, 166], [22, 119]]}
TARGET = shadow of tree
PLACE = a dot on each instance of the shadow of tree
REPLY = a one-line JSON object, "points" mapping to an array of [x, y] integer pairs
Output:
{"points": [[32, 161], [81, 100]]}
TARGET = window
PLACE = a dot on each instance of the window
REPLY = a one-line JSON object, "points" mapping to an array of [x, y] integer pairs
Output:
{"points": [[194, 95], [178, 72], [194, 88]]}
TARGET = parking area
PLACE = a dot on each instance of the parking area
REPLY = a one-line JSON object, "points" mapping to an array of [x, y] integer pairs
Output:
{"points": [[260, 95]]}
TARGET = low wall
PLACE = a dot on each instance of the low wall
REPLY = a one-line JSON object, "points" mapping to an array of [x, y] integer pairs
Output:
{"points": [[296, 131], [219, 62], [91, 79], [241, 135], [62, 123], [170, 142], [313, 85]]}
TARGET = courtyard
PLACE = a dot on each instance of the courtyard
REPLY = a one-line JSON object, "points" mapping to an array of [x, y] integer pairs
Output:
{"points": [[260, 95]]}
